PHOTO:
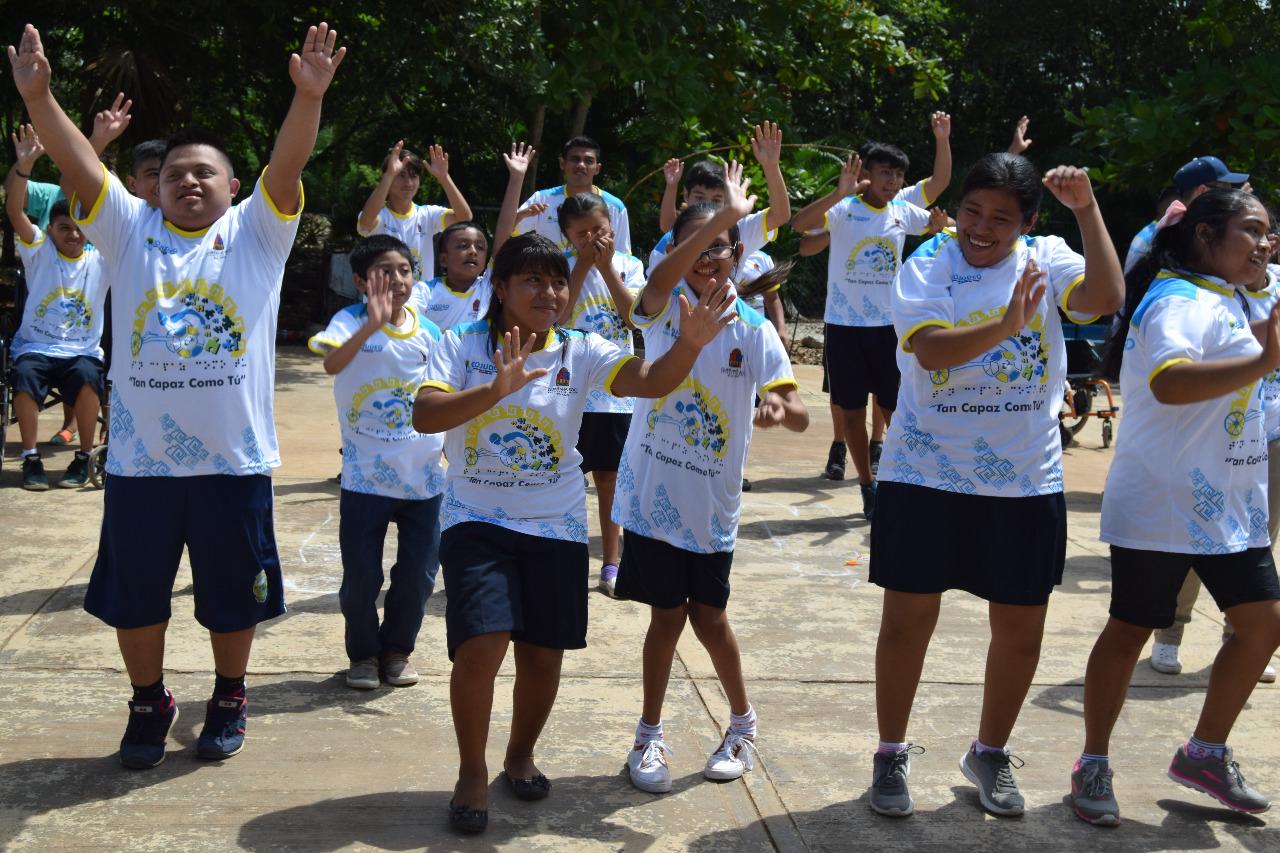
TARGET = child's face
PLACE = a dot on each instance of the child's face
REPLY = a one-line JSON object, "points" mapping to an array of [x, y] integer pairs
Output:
{"points": [[885, 180], [144, 181], [580, 166], [66, 236], [196, 186], [716, 262], [463, 255], [988, 223], [1240, 256], [399, 271], [705, 195], [584, 230], [405, 186], [534, 301]]}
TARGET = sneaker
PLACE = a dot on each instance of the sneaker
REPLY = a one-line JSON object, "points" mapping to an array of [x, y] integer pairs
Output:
{"points": [[837, 457], [992, 772], [363, 674], [746, 484], [869, 499], [223, 732], [735, 756], [876, 448], [33, 477], [647, 766], [77, 472], [397, 670], [142, 746], [1268, 675], [609, 580], [1164, 658], [1220, 778], [1091, 794], [889, 793]]}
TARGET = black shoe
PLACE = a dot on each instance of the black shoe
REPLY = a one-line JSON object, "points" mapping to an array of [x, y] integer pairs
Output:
{"points": [[869, 499], [34, 478], [467, 819], [876, 448], [837, 457], [77, 472], [536, 788], [746, 484]]}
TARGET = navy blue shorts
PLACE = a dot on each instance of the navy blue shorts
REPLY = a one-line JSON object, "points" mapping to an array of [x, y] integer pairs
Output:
{"points": [[1145, 584], [36, 374], [224, 521], [861, 360], [601, 439], [661, 575], [497, 579]]}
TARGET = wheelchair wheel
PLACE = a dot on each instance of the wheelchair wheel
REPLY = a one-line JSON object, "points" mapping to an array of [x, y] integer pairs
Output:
{"points": [[98, 466], [6, 404], [1106, 433]]}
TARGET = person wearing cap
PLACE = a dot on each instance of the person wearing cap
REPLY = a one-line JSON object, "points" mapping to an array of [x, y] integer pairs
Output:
{"points": [[1191, 180]]}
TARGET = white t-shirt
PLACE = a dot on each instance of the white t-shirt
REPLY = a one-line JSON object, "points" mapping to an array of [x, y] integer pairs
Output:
{"points": [[751, 268], [63, 314], [752, 231], [194, 325], [680, 477], [382, 454], [547, 223], [866, 252], [516, 465], [915, 194], [1140, 245], [595, 311], [990, 426], [1260, 305], [1187, 479], [417, 230], [446, 307]]}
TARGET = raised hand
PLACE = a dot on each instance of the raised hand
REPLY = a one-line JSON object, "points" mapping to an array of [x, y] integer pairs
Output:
{"points": [[699, 326], [1071, 186], [938, 220], [312, 70], [378, 292], [1020, 142], [437, 164], [519, 159], [1027, 293], [672, 170], [603, 246], [535, 209], [110, 123], [766, 144], [735, 190], [941, 124], [27, 147], [31, 69], [770, 412], [395, 160], [509, 359], [851, 182]]}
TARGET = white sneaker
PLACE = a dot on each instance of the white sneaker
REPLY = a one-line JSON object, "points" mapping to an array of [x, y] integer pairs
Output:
{"points": [[647, 765], [735, 756], [1164, 658], [1268, 675]]}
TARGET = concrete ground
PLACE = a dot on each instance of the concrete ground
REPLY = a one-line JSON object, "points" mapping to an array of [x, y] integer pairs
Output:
{"points": [[329, 768]]}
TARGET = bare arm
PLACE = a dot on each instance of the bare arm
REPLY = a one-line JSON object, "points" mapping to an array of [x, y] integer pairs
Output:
{"points": [[379, 309], [438, 411], [767, 146], [26, 144], [941, 177], [812, 244], [813, 215], [778, 317], [671, 171], [577, 277], [110, 123], [1198, 381], [698, 327], [378, 198], [438, 167], [782, 407], [1102, 291], [517, 163]]}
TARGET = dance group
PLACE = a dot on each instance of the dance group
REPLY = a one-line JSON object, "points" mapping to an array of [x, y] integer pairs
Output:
{"points": [[474, 390]]}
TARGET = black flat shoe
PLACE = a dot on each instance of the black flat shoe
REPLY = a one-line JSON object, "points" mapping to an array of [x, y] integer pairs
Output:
{"points": [[467, 819], [536, 788]]}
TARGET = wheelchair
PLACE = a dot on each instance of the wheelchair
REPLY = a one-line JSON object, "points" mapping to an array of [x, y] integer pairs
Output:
{"points": [[1086, 385]]}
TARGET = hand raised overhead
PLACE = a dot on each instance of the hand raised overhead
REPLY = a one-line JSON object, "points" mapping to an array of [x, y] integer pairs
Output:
{"points": [[312, 69], [31, 69]]}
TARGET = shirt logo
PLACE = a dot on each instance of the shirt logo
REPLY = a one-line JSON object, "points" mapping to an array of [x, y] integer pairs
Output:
{"points": [[218, 245], [735, 359], [965, 279], [153, 243], [562, 378], [475, 306]]}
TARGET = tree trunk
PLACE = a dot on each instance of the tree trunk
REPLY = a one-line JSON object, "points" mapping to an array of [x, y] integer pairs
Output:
{"points": [[535, 139], [578, 119]]}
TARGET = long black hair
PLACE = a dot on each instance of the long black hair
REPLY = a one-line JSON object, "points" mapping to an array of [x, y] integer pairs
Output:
{"points": [[1173, 248], [527, 253]]}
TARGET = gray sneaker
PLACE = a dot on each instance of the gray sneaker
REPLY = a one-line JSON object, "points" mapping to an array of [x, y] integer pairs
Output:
{"points": [[889, 794], [992, 772], [398, 670], [1220, 778], [1091, 794], [363, 674]]}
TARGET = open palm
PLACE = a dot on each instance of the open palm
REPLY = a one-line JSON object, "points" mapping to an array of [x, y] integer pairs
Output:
{"points": [[31, 71], [312, 70]]}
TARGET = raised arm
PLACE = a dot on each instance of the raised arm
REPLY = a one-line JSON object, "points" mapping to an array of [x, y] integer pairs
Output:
{"points": [[438, 167], [27, 147], [110, 123], [698, 327], [766, 144], [379, 310], [1020, 142], [1102, 291], [517, 163], [378, 198], [671, 172], [941, 177], [311, 71], [938, 348], [63, 141], [813, 215]]}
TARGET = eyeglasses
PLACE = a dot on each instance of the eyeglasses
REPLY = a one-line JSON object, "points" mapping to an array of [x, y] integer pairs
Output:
{"points": [[722, 252]]}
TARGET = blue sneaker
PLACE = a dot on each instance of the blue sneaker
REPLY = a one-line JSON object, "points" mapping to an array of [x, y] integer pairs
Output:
{"points": [[142, 746], [223, 732]]}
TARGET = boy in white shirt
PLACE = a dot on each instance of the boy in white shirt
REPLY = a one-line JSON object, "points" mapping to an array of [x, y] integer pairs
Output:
{"points": [[196, 286], [580, 162]]}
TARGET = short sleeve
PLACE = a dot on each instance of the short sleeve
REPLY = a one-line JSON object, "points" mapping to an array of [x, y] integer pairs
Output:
{"points": [[642, 321], [445, 369], [379, 225], [420, 296], [1138, 248], [773, 368], [273, 231], [632, 273], [433, 218], [1173, 328], [621, 224], [35, 253], [659, 251], [340, 329], [530, 224], [915, 194], [604, 360], [918, 301], [753, 266], [754, 233], [835, 217], [1064, 268], [915, 220], [110, 218]]}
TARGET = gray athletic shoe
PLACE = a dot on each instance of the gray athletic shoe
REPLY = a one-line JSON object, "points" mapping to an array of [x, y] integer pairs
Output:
{"points": [[1091, 794], [992, 772], [1220, 778], [889, 794]]}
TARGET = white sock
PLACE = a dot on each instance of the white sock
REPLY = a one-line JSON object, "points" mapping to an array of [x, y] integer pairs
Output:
{"points": [[743, 724], [646, 732], [31, 452]]}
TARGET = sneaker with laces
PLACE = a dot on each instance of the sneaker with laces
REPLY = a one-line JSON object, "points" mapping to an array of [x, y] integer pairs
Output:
{"points": [[363, 674], [647, 766], [1220, 778], [992, 773], [869, 498], [735, 756], [77, 472], [1091, 795], [609, 580], [34, 479], [837, 458], [224, 723], [142, 746], [398, 670], [1164, 658], [889, 793]]}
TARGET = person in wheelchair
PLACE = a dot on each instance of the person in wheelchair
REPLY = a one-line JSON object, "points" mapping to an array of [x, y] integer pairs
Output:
{"points": [[58, 344]]}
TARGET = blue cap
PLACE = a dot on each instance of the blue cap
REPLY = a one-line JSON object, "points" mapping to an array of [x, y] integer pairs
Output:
{"points": [[1205, 170]]}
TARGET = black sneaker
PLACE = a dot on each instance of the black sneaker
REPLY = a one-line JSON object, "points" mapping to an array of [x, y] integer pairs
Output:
{"points": [[77, 472], [837, 457], [746, 484], [33, 477], [876, 448], [869, 498], [142, 746], [223, 732]]}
